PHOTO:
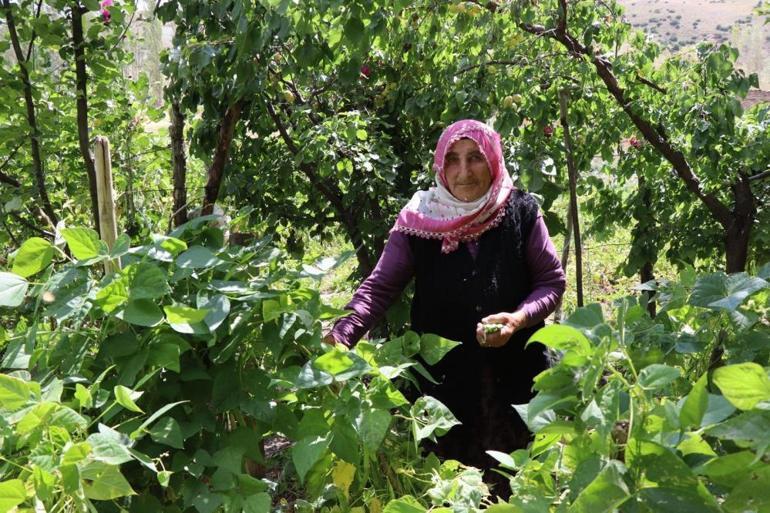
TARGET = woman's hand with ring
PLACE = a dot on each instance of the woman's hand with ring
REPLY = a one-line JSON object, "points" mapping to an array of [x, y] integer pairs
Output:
{"points": [[509, 322]]}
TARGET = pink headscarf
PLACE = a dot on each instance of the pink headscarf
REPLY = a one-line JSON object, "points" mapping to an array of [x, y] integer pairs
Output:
{"points": [[436, 214]]}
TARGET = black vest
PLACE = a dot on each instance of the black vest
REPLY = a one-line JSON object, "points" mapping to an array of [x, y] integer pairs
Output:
{"points": [[453, 292]]}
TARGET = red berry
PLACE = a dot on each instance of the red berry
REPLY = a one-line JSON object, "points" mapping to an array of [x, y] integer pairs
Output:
{"points": [[548, 130], [636, 143], [366, 70]]}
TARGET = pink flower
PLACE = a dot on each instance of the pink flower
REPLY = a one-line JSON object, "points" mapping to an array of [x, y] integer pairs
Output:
{"points": [[105, 3], [636, 143], [106, 15], [366, 70], [548, 130]]}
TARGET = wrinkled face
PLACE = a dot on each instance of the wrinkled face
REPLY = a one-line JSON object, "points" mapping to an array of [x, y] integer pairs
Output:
{"points": [[466, 171]]}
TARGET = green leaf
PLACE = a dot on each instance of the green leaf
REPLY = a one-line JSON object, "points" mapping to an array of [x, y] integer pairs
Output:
{"points": [[307, 452], [354, 30], [743, 384], [12, 493], [14, 393], [180, 314], [33, 256], [695, 404], [372, 427], [142, 312], [83, 396], [723, 292], [165, 355], [657, 376], [104, 482], [12, 289], [334, 362], [751, 494], [218, 308], [76, 453], [310, 377], [112, 295], [146, 281], [84, 243], [164, 478], [563, 338], [738, 287], [125, 397], [152, 418], [109, 446], [729, 470], [749, 429], [361, 135], [433, 348], [406, 504], [185, 319], [197, 257], [676, 500], [167, 431], [431, 417], [257, 503], [604, 494]]}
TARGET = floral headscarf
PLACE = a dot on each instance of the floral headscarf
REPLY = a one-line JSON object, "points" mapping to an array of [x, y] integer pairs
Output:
{"points": [[436, 214]]}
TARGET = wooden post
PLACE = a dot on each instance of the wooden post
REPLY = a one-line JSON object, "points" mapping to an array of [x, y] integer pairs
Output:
{"points": [[108, 225]]}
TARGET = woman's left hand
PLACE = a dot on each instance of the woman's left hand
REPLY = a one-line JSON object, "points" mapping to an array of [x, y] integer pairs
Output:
{"points": [[511, 323]]}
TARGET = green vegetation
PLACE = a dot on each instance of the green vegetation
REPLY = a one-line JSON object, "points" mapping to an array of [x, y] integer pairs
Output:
{"points": [[181, 368]]}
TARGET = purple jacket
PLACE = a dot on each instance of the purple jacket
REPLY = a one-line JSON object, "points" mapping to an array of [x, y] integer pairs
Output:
{"points": [[396, 267]]}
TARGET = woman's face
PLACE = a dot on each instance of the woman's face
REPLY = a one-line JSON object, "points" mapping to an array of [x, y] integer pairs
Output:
{"points": [[466, 171]]}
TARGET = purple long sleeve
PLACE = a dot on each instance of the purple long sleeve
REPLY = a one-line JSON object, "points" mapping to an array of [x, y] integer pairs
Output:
{"points": [[396, 267], [389, 277], [548, 280]]}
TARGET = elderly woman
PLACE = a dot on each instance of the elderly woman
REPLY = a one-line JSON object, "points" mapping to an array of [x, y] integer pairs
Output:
{"points": [[479, 252]]}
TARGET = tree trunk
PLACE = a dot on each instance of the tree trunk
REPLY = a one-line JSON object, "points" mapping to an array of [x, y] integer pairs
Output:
{"points": [[217, 170], [564, 262], [81, 81], [738, 233], [645, 231], [179, 163], [37, 160], [573, 204], [645, 275]]}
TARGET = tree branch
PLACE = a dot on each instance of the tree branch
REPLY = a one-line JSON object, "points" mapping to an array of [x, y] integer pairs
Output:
{"points": [[653, 135], [760, 176], [651, 84], [31, 226], [81, 82], [7, 179], [217, 169], [329, 192], [32, 39], [37, 161], [179, 164]]}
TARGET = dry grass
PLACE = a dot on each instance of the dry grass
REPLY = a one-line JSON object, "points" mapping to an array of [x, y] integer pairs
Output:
{"points": [[682, 23]]}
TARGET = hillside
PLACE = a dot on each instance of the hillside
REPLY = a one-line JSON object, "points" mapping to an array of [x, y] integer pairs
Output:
{"points": [[682, 23]]}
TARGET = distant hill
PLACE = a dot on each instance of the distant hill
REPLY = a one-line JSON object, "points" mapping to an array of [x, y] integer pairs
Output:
{"points": [[683, 23]]}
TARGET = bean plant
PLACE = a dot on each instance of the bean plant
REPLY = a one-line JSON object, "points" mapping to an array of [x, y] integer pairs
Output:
{"points": [[151, 378]]}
